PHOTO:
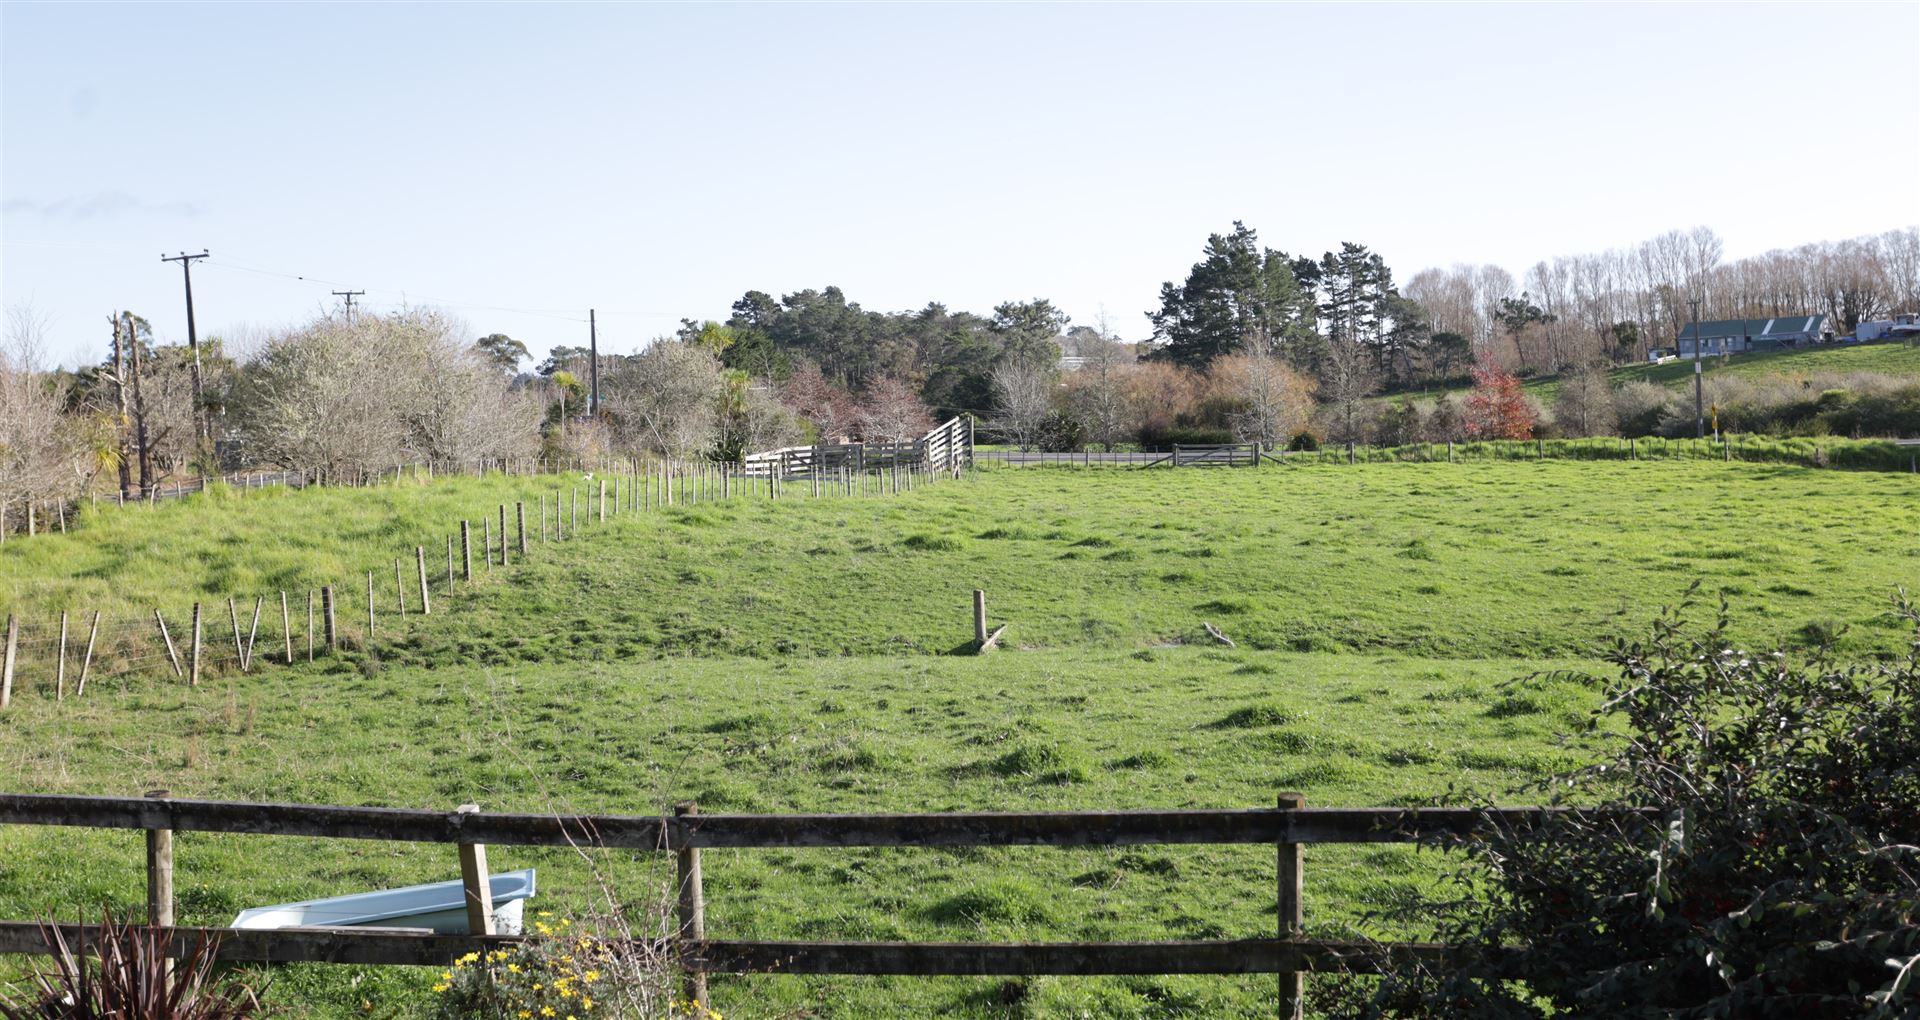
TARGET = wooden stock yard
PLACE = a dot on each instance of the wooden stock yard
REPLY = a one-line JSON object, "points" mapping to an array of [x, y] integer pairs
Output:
{"points": [[686, 832]]}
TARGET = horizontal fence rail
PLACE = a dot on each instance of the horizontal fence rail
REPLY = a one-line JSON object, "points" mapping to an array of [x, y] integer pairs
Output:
{"points": [[672, 832], [1287, 827]]}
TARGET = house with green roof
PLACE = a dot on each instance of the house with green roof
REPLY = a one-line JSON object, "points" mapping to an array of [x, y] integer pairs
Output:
{"points": [[1739, 336]]}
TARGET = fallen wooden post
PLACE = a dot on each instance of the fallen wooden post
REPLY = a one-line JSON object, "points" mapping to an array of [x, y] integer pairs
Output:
{"points": [[86, 662], [1214, 633], [172, 656]]}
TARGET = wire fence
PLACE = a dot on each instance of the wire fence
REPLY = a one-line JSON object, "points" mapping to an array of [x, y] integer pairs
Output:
{"points": [[61, 653], [1863, 455]]}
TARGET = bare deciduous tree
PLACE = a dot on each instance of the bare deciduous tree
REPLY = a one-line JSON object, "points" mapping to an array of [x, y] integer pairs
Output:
{"points": [[1097, 391], [1346, 380], [1022, 397], [1271, 403], [380, 391], [668, 398], [42, 451], [891, 412]]}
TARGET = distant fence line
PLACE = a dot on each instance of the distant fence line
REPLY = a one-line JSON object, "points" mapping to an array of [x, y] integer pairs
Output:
{"points": [[1288, 827], [63, 651], [1868, 455], [945, 447]]}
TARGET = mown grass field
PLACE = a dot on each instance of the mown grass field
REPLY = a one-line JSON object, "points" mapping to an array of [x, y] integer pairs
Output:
{"points": [[794, 657]]}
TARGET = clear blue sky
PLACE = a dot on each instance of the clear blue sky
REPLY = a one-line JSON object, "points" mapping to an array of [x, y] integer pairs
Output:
{"points": [[657, 161]]}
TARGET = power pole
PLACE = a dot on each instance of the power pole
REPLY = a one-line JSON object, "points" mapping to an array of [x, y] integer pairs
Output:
{"points": [[193, 343], [349, 295], [593, 371], [1699, 416]]}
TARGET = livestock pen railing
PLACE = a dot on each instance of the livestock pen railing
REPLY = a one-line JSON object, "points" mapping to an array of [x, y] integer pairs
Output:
{"points": [[945, 447], [1288, 827]]}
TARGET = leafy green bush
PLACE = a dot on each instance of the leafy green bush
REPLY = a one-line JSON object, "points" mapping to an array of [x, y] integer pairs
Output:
{"points": [[1754, 855]]}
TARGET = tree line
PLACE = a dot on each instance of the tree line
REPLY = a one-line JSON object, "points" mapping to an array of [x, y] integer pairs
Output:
{"points": [[1252, 343]]}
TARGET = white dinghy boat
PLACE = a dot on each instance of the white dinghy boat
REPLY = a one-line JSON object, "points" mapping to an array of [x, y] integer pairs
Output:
{"points": [[439, 906]]}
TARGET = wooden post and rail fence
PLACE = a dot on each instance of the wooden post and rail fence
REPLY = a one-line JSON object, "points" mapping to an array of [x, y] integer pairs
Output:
{"points": [[1289, 827]]}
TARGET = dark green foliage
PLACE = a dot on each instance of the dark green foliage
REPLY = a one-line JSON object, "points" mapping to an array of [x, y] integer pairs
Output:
{"points": [[1061, 432], [1775, 875], [1238, 297]]}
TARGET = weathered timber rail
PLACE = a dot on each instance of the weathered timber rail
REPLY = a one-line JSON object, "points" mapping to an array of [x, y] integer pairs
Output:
{"points": [[1287, 827]]}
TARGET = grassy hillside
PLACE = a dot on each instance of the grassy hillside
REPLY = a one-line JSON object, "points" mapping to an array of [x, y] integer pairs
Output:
{"points": [[792, 656], [1887, 358], [1471, 559]]}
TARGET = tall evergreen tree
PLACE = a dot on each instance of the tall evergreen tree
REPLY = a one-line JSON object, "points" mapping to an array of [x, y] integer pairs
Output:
{"points": [[1238, 297]]}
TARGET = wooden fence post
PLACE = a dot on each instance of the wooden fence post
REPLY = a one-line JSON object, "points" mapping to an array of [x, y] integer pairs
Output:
{"points": [[979, 617], [286, 624], [486, 543], [603, 501], [466, 551], [370, 625], [1292, 913], [503, 534], [520, 520], [193, 670], [86, 662], [400, 586], [693, 905], [6, 662], [477, 884], [426, 598], [159, 872], [327, 616], [233, 617]]}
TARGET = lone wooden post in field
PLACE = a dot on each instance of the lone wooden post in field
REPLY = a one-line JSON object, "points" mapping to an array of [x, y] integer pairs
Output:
{"points": [[1292, 912], [466, 551], [503, 534], [426, 598], [327, 617], [193, 677], [983, 641], [520, 516], [476, 882], [693, 904], [6, 660], [603, 501]]}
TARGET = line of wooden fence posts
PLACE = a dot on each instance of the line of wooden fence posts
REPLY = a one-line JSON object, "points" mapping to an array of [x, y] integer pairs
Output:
{"points": [[635, 491], [1289, 826]]}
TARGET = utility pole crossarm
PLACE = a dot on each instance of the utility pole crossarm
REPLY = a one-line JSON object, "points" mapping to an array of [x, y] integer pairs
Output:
{"points": [[349, 295]]}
